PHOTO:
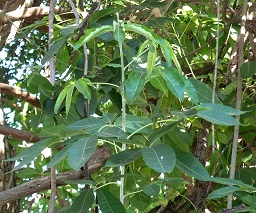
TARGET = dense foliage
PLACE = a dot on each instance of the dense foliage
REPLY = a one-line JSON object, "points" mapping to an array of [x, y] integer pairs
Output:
{"points": [[146, 96]]}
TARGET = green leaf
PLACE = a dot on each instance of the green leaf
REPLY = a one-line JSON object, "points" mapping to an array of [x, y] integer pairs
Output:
{"points": [[151, 190], [161, 131], [222, 192], [191, 91], [174, 81], [249, 200], [69, 98], [111, 132], [148, 33], [248, 69], [217, 117], [118, 33], [83, 202], [96, 15], [32, 152], [160, 157], [141, 201], [59, 156], [91, 34], [123, 158], [108, 203], [62, 59], [55, 131], [186, 113], [134, 123], [81, 151], [204, 92], [82, 87], [151, 59], [61, 98], [55, 47], [91, 125], [134, 85], [219, 108], [190, 165], [27, 173], [159, 83], [228, 181]]}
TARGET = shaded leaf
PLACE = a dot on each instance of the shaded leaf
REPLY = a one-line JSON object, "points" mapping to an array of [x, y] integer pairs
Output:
{"points": [[217, 117], [32, 152], [161, 131], [174, 81], [69, 98], [55, 131], [222, 192], [219, 108], [81, 151], [108, 203], [248, 69], [134, 85], [83, 202], [118, 33], [123, 158], [160, 157], [204, 92], [151, 190], [111, 132], [54, 48], [191, 91], [190, 165]]}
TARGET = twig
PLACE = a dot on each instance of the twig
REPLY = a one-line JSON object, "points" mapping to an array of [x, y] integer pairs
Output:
{"points": [[239, 95], [52, 80]]}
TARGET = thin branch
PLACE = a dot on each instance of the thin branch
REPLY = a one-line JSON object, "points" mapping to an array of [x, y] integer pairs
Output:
{"points": [[18, 134], [27, 13], [52, 81], [238, 95], [215, 70], [18, 92], [28, 188]]}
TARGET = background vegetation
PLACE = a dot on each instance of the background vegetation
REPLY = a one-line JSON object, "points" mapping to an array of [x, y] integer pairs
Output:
{"points": [[127, 106]]}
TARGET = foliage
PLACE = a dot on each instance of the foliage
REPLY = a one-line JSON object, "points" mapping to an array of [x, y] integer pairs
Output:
{"points": [[167, 102]]}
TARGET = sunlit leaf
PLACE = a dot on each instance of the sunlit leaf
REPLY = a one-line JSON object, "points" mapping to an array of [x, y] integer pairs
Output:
{"points": [[159, 83], [82, 87], [160, 157], [91, 34], [61, 98], [69, 98], [151, 59]]}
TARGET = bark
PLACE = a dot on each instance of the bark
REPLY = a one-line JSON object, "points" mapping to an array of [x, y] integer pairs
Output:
{"points": [[32, 13], [94, 164], [18, 134], [18, 92]]}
